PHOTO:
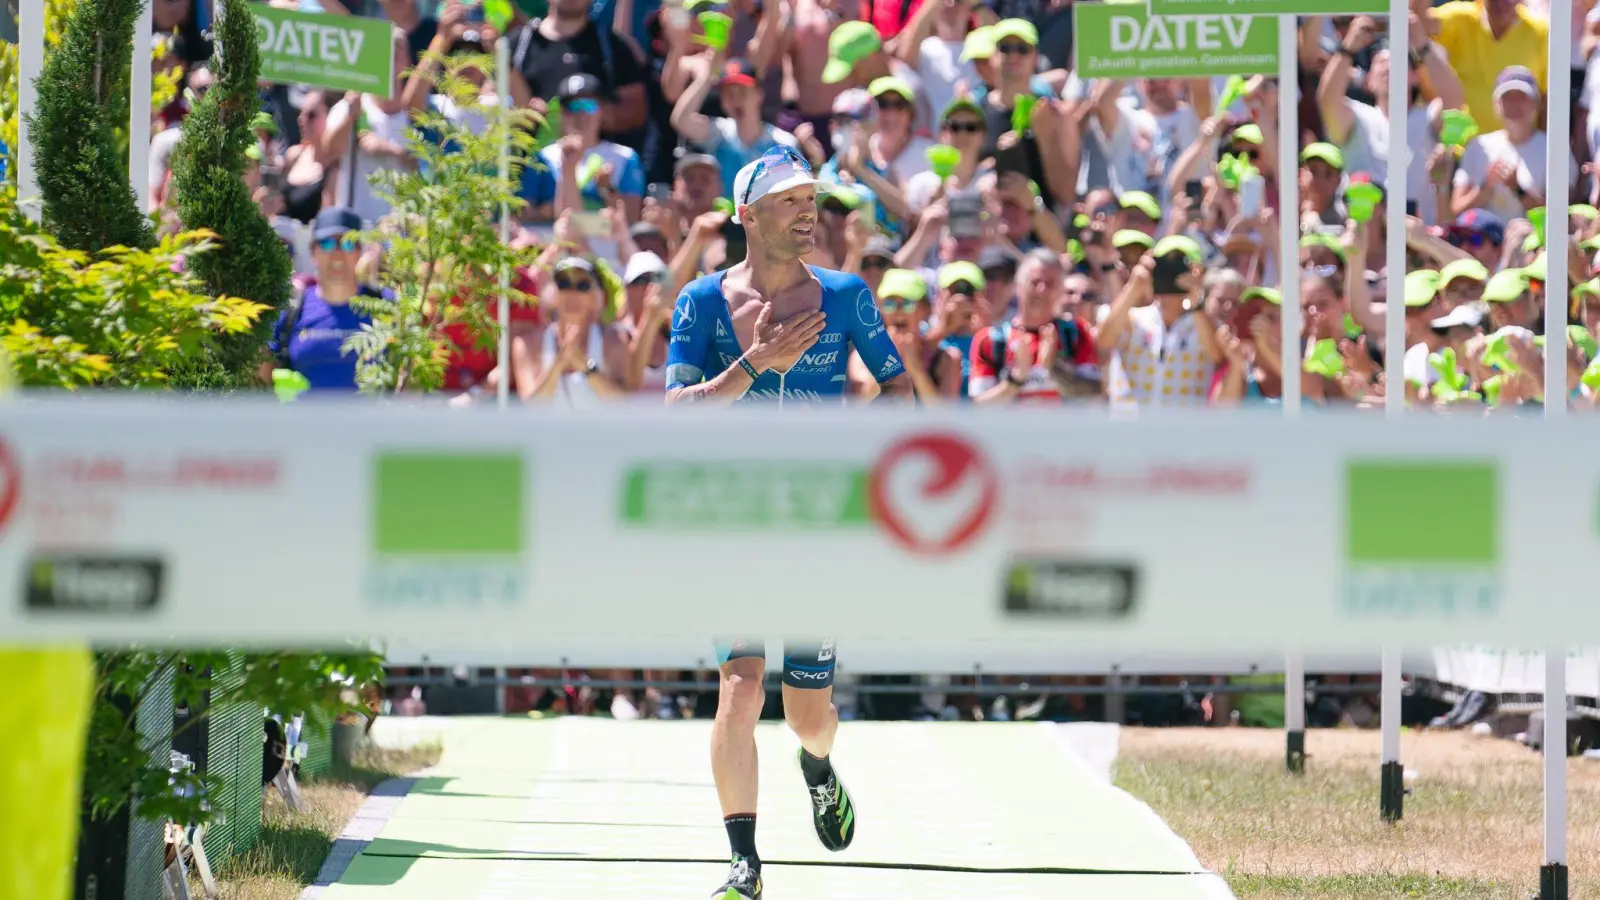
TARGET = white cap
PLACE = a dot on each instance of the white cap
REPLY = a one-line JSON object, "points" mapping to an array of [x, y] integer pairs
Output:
{"points": [[780, 169], [642, 263]]}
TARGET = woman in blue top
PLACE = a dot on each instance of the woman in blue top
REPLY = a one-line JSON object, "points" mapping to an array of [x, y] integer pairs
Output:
{"points": [[310, 334]]}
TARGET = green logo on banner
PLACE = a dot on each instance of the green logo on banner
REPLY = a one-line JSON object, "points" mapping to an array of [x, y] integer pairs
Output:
{"points": [[1422, 539], [344, 53], [734, 496], [1123, 40], [448, 529], [1270, 7]]}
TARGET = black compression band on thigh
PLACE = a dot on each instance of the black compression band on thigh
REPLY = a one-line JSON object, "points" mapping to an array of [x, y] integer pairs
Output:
{"points": [[809, 667]]}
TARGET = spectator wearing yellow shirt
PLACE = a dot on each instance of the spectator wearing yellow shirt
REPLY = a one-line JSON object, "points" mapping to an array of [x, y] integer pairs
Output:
{"points": [[1485, 37]]}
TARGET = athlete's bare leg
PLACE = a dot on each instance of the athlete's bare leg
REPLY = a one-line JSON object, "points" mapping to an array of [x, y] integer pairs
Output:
{"points": [[733, 735], [813, 718]]}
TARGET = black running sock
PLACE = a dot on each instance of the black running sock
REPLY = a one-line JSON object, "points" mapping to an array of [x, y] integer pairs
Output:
{"points": [[816, 770], [742, 836]]}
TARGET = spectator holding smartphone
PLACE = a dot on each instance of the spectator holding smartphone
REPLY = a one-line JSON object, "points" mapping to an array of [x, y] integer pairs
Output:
{"points": [[1164, 346]]}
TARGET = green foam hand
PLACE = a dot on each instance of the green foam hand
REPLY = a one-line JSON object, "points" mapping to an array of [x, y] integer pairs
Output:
{"points": [[1232, 92], [1228, 171], [1361, 200], [289, 384], [1444, 364], [715, 28], [1491, 389], [1456, 127], [1497, 353], [1591, 376], [590, 170], [498, 13], [1325, 359], [1022, 113], [943, 158]]}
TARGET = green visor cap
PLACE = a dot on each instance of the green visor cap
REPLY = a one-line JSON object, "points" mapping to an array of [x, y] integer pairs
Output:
{"points": [[1462, 268], [959, 271], [1324, 151], [1127, 237], [1270, 295], [902, 283], [1141, 201], [1506, 286], [1178, 243], [1421, 287]]}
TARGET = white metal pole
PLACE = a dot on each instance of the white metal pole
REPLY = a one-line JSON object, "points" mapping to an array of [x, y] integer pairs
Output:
{"points": [[1294, 709], [1558, 166], [1289, 208], [30, 62], [1394, 345], [1390, 773], [1294, 671], [1555, 759], [502, 78], [139, 106]]}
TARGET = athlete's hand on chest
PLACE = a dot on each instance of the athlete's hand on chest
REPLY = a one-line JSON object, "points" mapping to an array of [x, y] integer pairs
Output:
{"points": [[779, 345]]}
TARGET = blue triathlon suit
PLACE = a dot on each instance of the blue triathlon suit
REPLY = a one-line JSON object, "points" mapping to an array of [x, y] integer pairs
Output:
{"points": [[703, 346]]}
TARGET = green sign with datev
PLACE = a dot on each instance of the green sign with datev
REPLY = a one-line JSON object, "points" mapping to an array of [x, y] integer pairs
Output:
{"points": [[1269, 7], [341, 53], [1422, 539], [448, 529], [1123, 40]]}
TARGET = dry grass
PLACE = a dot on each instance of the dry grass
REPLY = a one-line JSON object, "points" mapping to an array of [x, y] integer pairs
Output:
{"points": [[1472, 826], [294, 845]]}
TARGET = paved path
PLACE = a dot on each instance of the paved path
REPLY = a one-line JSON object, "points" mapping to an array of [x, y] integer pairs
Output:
{"points": [[600, 810]]}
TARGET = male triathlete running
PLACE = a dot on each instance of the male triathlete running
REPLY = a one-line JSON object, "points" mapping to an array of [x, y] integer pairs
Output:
{"points": [[774, 327]]}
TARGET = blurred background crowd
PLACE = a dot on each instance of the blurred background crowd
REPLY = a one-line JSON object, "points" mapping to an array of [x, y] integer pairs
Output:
{"points": [[1031, 236]]}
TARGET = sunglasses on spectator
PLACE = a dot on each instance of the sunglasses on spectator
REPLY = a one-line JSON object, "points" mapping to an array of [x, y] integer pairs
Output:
{"points": [[650, 278], [898, 305], [1464, 237], [877, 262], [1322, 271], [344, 242], [955, 127], [583, 106], [573, 284], [1014, 48], [887, 105]]}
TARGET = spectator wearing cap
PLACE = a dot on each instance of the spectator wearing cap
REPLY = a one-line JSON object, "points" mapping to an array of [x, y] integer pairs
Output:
{"points": [[1361, 131], [1253, 368], [1137, 211], [932, 45], [1504, 171], [1045, 150], [1486, 37], [903, 303], [310, 333], [1164, 345], [1461, 283], [854, 128], [1052, 18], [580, 362], [1035, 357], [998, 294], [1514, 300], [961, 125], [1021, 217], [895, 148], [740, 137], [1321, 177], [1481, 234], [856, 58], [646, 321], [647, 236], [955, 311], [547, 52], [696, 184], [877, 257], [582, 171]]}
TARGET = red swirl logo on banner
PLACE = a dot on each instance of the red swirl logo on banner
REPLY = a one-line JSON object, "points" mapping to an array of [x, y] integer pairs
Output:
{"points": [[933, 493]]}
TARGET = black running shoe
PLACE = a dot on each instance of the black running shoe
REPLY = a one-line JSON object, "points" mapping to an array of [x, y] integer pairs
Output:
{"points": [[744, 882], [833, 814]]}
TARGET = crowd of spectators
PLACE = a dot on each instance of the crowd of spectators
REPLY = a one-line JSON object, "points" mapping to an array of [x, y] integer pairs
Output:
{"points": [[1032, 237]]}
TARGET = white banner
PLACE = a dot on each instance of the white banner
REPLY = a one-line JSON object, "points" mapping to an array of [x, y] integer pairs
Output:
{"points": [[1501, 670], [968, 535]]}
